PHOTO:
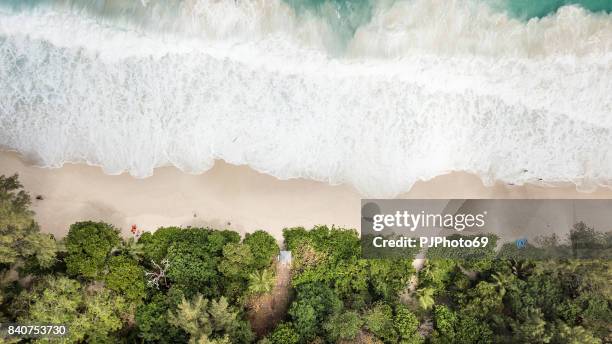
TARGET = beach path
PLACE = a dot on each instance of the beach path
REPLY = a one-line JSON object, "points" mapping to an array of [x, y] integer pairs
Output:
{"points": [[272, 308]]}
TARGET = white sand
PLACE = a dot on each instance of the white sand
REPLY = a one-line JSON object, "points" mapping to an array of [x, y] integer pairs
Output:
{"points": [[227, 196]]}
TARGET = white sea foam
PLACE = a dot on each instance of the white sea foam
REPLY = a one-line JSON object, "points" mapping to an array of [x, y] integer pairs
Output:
{"points": [[415, 94]]}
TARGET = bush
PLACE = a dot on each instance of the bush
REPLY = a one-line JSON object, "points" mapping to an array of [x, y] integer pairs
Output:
{"points": [[343, 326], [284, 334], [406, 325], [152, 321], [379, 321]]}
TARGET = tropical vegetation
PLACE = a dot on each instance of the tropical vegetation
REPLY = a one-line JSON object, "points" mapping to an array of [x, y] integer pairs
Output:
{"points": [[198, 285]]}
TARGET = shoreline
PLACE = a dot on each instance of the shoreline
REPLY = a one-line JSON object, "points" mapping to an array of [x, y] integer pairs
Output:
{"points": [[226, 196]]}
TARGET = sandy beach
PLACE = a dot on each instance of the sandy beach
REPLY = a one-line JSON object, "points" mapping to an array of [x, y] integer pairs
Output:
{"points": [[226, 196]]}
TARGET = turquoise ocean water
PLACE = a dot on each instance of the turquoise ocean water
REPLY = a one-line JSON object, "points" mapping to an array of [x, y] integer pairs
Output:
{"points": [[344, 16]]}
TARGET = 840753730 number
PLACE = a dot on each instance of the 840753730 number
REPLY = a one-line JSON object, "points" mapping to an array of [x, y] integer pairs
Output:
{"points": [[12, 330]]}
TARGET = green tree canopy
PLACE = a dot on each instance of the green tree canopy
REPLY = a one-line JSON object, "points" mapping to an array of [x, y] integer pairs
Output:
{"points": [[193, 269], [88, 245], [343, 326], [314, 303], [237, 261], [157, 244], [264, 248], [445, 321], [574, 335], [20, 239], [407, 325], [379, 321], [261, 282], [284, 333], [336, 243], [126, 277], [389, 277], [92, 314], [152, 320], [209, 321], [193, 254], [530, 327]]}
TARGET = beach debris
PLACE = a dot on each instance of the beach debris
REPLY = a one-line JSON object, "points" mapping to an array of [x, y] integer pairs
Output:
{"points": [[158, 275], [39, 197]]}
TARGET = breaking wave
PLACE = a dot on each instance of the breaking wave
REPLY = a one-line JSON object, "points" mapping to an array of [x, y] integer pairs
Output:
{"points": [[375, 94]]}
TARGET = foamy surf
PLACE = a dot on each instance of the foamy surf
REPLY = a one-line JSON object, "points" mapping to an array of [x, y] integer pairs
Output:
{"points": [[420, 88]]}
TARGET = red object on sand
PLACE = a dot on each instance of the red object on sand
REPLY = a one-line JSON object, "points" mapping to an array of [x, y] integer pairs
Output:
{"points": [[134, 228]]}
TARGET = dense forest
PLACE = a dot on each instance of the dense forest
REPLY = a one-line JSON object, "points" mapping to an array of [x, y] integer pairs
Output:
{"points": [[199, 285]]}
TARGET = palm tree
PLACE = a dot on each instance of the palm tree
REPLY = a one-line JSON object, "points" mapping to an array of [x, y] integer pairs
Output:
{"points": [[425, 297], [429, 271], [521, 268], [570, 265], [261, 282], [501, 282]]}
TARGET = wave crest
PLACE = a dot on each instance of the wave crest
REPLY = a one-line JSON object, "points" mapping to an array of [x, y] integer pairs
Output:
{"points": [[380, 118]]}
